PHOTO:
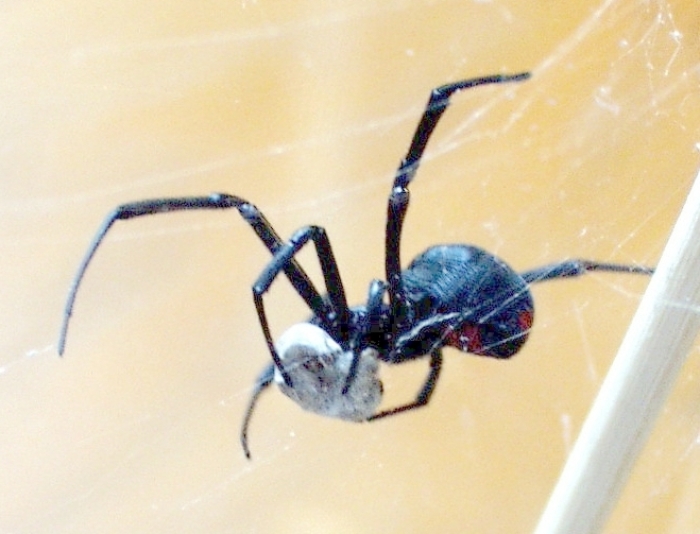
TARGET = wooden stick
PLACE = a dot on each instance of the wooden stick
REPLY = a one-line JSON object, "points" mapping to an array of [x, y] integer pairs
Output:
{"points": [[651, 355]]}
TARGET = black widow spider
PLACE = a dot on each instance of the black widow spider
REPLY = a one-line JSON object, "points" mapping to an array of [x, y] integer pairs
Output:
{"points": [[450, 295]]}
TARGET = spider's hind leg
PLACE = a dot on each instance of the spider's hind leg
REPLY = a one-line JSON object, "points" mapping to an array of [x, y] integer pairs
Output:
{"points": [[252, 215], [579, 267]]}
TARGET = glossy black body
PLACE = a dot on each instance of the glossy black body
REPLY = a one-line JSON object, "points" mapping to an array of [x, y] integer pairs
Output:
{"points": [[450, 295], [493, 303]]}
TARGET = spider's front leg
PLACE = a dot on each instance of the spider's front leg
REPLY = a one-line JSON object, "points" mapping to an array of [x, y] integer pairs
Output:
{"points": [[252, 215]]}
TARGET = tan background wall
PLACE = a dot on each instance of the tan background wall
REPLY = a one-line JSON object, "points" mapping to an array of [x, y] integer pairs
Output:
{"points": [[306, 110]]}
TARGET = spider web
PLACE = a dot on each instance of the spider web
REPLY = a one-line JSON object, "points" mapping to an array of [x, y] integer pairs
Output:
{"points": [[306, 111]]}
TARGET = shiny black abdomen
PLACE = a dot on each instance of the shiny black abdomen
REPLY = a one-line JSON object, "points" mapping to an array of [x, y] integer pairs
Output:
{"points": [[464, 297]]}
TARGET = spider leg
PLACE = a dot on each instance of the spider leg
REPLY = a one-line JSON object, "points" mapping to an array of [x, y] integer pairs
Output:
{"points": [[298, 278], [579, 267], [399, 198], [424, 394], [261, 384], [337, 319]]}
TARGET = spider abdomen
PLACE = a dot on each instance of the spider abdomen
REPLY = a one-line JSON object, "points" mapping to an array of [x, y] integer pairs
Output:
{"points": [[464, 297]]}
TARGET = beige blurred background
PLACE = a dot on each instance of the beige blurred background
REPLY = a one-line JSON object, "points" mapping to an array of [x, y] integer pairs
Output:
{"points": [[305, 110]]}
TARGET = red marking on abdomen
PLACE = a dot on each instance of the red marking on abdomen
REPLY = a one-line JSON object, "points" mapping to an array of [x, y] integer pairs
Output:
{"points": [[466, 339], [525, 320]]}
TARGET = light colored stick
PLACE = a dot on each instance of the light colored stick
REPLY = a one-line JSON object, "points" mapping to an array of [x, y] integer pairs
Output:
{"points": [[643, 373]]}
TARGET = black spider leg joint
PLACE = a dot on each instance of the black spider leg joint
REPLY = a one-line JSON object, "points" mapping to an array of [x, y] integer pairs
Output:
{"points": [[254, 217], [399, 199], [423, 397], [340, 313]]}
